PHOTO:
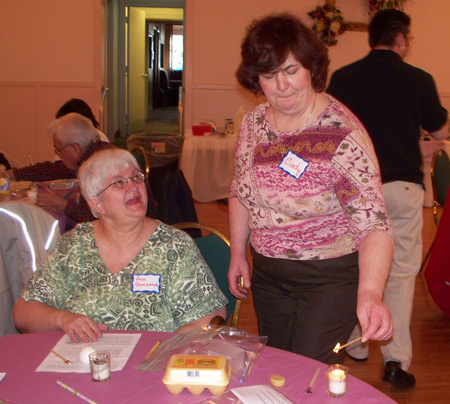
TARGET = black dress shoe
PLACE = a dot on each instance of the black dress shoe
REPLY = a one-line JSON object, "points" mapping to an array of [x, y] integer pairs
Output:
{"points": [[394, 374]]}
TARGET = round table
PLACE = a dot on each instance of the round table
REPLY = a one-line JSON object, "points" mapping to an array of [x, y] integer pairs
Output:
{"points": [[20, 355], [208, 165]]}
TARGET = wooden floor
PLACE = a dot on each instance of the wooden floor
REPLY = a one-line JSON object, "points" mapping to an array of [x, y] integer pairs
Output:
{"points": [[430, 330]]}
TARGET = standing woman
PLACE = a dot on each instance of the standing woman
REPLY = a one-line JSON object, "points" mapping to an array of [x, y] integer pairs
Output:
{"points": [[307, 196]]}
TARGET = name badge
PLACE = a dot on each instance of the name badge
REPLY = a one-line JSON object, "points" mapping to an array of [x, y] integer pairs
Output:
{"points": [[294, 165], [147, 283]]}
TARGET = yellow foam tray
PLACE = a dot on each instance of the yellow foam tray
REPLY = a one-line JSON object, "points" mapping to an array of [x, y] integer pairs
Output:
{"points": [[197, 372]]}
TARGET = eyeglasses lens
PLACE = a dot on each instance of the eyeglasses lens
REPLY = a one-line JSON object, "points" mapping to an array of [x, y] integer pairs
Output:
{"points": [[123, 182]]}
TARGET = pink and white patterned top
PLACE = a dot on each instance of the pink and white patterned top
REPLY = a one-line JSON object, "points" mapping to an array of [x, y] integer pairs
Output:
{"points": [[335, 203]]}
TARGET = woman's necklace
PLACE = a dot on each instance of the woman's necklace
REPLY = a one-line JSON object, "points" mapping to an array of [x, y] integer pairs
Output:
{"points": [[292, 163], [307, 119]]}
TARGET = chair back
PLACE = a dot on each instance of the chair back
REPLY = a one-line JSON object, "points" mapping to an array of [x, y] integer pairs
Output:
{"points": [[141, 157], [215, 249], [28, 234], [440, 179]]}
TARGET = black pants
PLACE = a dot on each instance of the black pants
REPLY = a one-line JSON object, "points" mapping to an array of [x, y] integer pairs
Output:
{"points": [[306, 307]]}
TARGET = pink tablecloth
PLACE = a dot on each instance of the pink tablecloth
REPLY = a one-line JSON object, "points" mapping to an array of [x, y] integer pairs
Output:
{"points": [[20, 355]]}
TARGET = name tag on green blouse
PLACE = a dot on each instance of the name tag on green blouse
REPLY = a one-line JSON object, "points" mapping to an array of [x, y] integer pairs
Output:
{"points": [[146, 283]]}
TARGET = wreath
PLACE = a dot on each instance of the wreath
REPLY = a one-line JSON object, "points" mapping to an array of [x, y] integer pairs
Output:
{"points": [[330, 23]]}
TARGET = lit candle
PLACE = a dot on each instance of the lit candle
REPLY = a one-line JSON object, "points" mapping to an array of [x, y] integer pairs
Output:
{"points": [[337, 380]]}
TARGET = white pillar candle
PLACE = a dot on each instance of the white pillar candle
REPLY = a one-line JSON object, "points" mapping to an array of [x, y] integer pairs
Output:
{"points": [[337, 380], [101, 372]]}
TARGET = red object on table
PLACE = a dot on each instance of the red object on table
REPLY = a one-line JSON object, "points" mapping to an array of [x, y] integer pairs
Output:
{"points": [[21, 354], [201, 129]]}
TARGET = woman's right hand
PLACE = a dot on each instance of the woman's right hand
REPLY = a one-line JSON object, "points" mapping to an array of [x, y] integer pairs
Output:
{"points": [[80, 327], [238, 275]]}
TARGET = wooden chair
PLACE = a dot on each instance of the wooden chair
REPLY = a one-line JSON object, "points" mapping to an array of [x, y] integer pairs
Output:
{"points": [[440, 181], [215, 249]]}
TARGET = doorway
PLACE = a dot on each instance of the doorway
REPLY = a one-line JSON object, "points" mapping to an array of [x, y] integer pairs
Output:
{"points": [[138, 49]]}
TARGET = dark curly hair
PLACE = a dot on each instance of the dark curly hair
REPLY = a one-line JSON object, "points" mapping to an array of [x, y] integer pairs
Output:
{"points": [[269, 42]]}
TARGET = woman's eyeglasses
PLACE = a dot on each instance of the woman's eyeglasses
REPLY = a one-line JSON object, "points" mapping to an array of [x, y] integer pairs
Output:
{"points": [[121, 183]]}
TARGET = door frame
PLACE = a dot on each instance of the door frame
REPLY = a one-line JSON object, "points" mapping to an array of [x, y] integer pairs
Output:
{"points": [[116, 53]]}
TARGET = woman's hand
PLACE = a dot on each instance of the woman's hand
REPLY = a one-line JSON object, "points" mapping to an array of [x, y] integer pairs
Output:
{"points": [[374, 317], [239, 277], [239, 235], [80, 328], [35, 316]]}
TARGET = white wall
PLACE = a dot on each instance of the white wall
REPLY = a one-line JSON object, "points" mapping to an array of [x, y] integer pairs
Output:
{"points": [[52, 51], [215, 28]]}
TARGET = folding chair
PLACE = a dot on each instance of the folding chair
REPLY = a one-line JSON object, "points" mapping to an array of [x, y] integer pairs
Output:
{"points": [[440, 181], [215, 249]]}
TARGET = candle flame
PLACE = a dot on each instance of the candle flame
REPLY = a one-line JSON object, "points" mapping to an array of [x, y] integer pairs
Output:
{"points": [[337, 347]]}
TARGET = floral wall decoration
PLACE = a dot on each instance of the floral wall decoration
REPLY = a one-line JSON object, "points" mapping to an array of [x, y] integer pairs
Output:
{"points": [[330, 22]]}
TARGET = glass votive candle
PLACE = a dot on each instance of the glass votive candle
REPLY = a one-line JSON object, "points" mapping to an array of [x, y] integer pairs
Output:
{"points": [[100, 362], [337, 380]]}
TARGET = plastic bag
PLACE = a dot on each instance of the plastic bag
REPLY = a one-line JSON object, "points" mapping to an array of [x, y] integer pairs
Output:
{"points": [[240, 347]]}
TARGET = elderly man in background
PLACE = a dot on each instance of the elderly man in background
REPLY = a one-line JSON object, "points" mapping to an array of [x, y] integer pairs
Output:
{"points": [[75, 139], [394, 101]]}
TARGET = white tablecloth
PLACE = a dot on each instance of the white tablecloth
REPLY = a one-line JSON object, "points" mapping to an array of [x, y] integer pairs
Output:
{"points": [[208, 165], [428, 147]]}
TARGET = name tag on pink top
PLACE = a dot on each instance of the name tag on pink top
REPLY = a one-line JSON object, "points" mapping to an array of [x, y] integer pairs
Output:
{"points": [[294, 165], [146, 283]]}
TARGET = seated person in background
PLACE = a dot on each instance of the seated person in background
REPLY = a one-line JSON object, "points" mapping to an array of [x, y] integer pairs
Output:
{"points": [[80, 107], [123, 271], [75, 139]]}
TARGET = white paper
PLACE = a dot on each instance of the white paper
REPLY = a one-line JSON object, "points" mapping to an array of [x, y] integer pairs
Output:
{"points": [[2, 375], [263, 394], [120, 346]]}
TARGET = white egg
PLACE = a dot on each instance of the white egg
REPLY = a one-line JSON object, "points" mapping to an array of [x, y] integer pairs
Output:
{"points": [[84, 354]]}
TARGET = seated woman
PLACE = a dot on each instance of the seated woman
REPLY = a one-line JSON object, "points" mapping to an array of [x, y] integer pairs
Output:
{"points": [[122, 271]]}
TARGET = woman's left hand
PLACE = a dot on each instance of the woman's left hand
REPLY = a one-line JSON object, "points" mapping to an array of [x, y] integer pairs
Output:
{"points": [[374, 317]]}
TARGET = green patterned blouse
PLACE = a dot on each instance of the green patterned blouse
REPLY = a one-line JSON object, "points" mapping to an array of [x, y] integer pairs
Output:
{"points": [[74, 277]]}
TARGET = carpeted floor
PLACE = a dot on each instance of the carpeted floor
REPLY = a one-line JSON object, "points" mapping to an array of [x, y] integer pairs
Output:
{"points": [[163, 120]]}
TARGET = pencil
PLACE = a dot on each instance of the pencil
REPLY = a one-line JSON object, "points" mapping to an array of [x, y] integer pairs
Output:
{"points": [[309, 389], [65, 360], [152, 350], [78, 394]]}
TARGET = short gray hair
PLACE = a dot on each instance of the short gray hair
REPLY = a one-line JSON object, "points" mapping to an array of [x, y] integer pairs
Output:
{"points": [[94, 171], [74, 128]]}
